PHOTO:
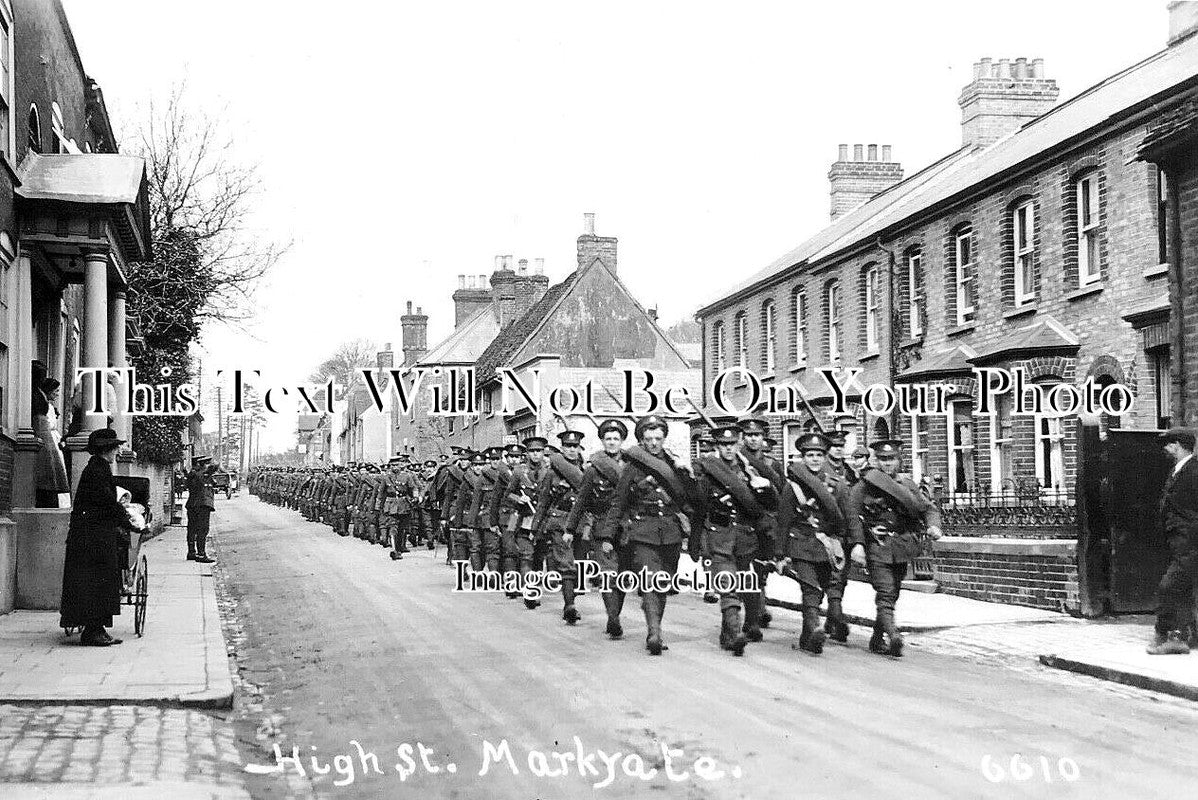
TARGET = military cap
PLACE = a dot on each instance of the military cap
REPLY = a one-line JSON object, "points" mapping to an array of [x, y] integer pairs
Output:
{"points": [[535, 443], [812, 441], [430, 463], [1181, 436], [493, 452], [886, 447], [860, 452], [837, 439], [396, 460], [569, 438], [552, 448], [651, 421], [456, 450], [706, 443], [753, 425], [609, 425], [478, 458], [514, 450], [726, 434]]}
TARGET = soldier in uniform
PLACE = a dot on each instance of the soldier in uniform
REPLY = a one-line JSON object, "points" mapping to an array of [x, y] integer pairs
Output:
{"points": [[887, 513], [704, 446], [599, 481], [650, 510], [753, 448], [521, 494], [484, 546], [389, 523], [499, 511], [459, 517], [555, 500], [730, 505], [455, 477], [859, 461], [835, 458], [811, 545]]}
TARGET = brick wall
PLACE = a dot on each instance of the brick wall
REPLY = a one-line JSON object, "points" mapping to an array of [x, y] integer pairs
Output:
{"points": [[1028, 579]]}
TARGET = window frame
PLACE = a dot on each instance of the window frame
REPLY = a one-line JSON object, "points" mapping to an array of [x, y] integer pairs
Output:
{"points": [[769, 358], [958, 452], [920, 430], [720, 345], [740, 339], [1054, 459], [966, 313], [1162, 216], [914, 296], [1089, 270], [8, 140], [34, 116], [832, 299], [871, 309], [798, 301], [1162, 368], [1024, 257]]}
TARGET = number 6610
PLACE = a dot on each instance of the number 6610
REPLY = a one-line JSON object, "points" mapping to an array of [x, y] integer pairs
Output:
{"points": [[1022, 769]]}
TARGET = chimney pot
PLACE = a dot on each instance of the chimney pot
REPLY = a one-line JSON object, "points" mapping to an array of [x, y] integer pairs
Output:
{"points": [[1021, 68], [843, 154], [995, 108], [461, 281], [522, 266], [1037, 68], [409, 306], [588, 223], [418, 311], [873, 152], [1004, 68], [482, 281], [858, 151], [498, 263], [507, 262], [540, 266], [886, 152], [986, 71]]}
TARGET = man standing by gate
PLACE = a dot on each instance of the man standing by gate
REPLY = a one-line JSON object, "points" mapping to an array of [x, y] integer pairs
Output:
{"points": [[1179, 516], [201, 502]]}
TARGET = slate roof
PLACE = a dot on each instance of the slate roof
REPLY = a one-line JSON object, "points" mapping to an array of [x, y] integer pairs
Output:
{"points": [[1176, 125], [1047, 335], [967, 169], [467, 342], [949, 362], [511, 338]]}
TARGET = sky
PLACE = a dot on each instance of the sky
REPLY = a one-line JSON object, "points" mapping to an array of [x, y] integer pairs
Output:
{"points": [[402, 144]]}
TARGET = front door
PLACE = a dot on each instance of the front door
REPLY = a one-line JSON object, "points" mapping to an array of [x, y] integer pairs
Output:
{"points": [[1135, 473]]}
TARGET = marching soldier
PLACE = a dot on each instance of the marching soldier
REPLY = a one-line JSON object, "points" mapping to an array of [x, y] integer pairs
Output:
{"points": [[598, 484], [887, 513], [835, 458], [555, 500], [650, 509], [484, 546], [455, 477], [499, 514], [460, 526], [705, 445], [811, 546], [730, 494], [521, 491], [859, 461], [393, 487], [753, 448]]}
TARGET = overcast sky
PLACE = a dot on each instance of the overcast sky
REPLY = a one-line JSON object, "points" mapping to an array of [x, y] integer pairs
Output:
{"points": [[402, 144]]}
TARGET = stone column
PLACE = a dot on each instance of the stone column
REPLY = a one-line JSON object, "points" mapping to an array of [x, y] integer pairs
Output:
{"points": [[122, 422], [21, 386], [94, 351]]}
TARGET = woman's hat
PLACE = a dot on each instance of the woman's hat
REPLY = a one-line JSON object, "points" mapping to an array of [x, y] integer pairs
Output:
{"points": [[103, 440]]}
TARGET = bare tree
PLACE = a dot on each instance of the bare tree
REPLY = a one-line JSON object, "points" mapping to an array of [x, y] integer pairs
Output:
{"points": [[200, 201], [343, 365]]}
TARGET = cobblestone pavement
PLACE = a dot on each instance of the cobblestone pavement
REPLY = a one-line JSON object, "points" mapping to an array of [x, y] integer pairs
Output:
{"points": [[117, 745]]}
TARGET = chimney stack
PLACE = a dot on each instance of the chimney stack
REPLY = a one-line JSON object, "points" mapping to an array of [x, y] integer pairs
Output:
{"points": [[386, 358], [855, 181], [415, 336], [1183, 21], [469, 298], [592, 248], [1000, 100]]}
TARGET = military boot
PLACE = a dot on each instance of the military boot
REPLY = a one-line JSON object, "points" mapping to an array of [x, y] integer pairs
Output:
{"points": [[614, 629], [812, 637], [731, 636], [835, 626], [1173, 645], [894, 638], [652, 602], [752, 626], [877, 642]]}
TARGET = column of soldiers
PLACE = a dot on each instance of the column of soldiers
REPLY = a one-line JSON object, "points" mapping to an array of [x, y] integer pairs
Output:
{"points": [[735, 508]]}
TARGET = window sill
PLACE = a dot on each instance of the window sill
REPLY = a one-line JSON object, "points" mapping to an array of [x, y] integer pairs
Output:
{"points": [[798, 367], [918, 340], [960, 330], [1157, 271], [870, 356], [1015, 313], [1085, 291]]}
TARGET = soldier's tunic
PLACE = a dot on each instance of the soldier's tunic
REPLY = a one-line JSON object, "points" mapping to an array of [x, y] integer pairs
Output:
{"points": [[649, 504], [460, 531], [812, 530], [532, 545], [484, 547], [454, 476], [728, 516], [555, 500], [593, 501], [494, 532], [888, 515], [508, 508], [756, 616]]}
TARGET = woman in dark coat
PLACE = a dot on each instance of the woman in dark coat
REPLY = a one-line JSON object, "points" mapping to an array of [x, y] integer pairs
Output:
{"points": [[96, 545]]}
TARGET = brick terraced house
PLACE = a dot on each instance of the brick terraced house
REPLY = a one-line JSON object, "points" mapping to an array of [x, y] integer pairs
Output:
{"points": [[1043, 243]]}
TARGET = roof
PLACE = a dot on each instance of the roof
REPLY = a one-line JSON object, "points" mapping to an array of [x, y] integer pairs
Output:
{"points": [[1047, 335], [968, 168], [511, 338], [691, 351], [467, 342], [950, 362], [1173, 127]]}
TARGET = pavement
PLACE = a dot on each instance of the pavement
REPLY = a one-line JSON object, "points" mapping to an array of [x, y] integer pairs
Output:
{"points": [[179, 661]]}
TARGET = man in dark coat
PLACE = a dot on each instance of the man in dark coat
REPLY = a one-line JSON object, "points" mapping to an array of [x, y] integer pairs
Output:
{"points": [[1179, 515], [201, 502], [91, 572], [556, 497]]}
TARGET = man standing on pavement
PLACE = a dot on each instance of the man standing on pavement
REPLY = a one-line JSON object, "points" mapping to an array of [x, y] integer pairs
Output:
{"points": [[887, 513], [201, 502], [599, 481], [1179, 517]]}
